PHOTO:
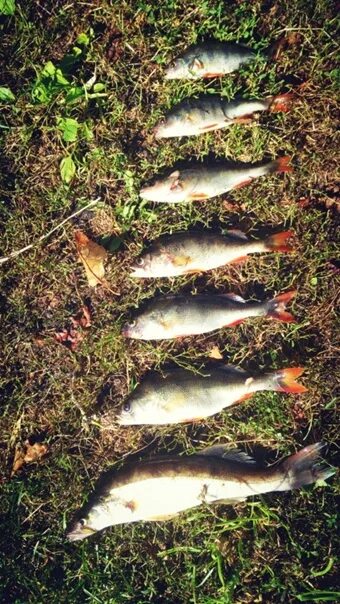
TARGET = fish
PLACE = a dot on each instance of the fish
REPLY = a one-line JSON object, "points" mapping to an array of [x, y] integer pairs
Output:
{"points": [[209, 60], [204, 181], [161, 488], [193, 117], [168, 317], [189, 252], [184, 396]]}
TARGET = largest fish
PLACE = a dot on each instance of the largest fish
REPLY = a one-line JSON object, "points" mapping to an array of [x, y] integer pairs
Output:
{"points": [[161, 488], [205, 180], [209, 60], [184, 396]]}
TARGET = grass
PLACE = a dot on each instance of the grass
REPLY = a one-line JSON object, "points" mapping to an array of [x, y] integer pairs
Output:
{"points": [[277, 548]]}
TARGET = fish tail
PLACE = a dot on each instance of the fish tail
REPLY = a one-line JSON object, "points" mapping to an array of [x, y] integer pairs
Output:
{"points": [[284, 380], [305, 468], [278, 242], [276, 308], [281, 164], [281, 102]]}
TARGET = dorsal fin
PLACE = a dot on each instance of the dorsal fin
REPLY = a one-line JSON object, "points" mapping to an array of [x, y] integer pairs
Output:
{"points": [[237, 233], [228, 454], [234, 369], [235, 298]]}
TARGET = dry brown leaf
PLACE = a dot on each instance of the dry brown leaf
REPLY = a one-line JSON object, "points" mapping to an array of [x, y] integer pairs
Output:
{"points": [[71, 336], [92, 256], [215, 353], [27, 454]]}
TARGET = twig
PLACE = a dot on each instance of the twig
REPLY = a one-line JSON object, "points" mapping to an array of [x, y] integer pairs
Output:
{"points": [[58, 226]]}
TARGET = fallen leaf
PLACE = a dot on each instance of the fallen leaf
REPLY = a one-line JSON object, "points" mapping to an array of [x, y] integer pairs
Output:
{"points": [[215, 353], [92, 256], [71, 336], [27, 454]]}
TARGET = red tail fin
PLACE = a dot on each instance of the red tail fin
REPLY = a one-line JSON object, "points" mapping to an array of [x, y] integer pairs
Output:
{"points": [[305, 468], [276, 308], [281, 164], [278, 242], [286, 380], [281, 102]]}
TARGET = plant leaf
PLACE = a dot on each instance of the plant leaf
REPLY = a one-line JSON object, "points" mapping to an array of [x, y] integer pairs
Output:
{"points": [[7, 7], [27, 454], [67, 169], [215, 353], [6, 95], [92, 256], [69, 128]]}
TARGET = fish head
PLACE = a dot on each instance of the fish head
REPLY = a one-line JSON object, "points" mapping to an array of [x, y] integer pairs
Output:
{"points": [[80, 530], [176, 70], [170, 189], [134, 329], [140, 407], [143, 266], [170, 126]]}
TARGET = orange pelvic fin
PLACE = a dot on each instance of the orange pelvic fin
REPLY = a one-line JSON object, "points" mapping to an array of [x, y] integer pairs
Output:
{"points": [[244, 183], [198, 196], [239, 260], [245, 397], [209, 127], [281, 102], [278, 242], [212, 75], [244, 119], [286, 379], [238, 322]]}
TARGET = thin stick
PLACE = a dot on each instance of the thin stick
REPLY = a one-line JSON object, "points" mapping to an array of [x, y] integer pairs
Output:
{"points": [[58, 226]]}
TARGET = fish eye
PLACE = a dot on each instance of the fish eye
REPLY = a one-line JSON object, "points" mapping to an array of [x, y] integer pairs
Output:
{"points": [[82, 521], [132, 324], [140, 261], [127, 407]]}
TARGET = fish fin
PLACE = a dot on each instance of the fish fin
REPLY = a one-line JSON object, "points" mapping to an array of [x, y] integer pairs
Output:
{"points": [[209, 127], [278, 242], [197, 196], [244, 119], [281, 102], [281, 164], [238, 322], [193, 271], [176, 185], [213, 75], [285, 380], [302, 468], [235, 369], [276, 308], [180, 260], [237, 233], [226, 452], [244, 397], [244, 183], [239, 260], [235, 298], [196, 63]]}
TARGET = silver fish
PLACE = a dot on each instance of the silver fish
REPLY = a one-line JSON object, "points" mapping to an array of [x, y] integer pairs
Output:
{"points": [[195, 252], [205, 181], [177, 316], [160, 489], [193, 117], [209, 60], [185, 396]]}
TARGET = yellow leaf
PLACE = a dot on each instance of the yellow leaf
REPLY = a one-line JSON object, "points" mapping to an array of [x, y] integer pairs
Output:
{"points": [[92, 256], [215, 353], [27, 454]]}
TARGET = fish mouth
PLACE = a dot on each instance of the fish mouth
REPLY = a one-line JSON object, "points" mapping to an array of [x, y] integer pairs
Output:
{"points": [[147, 193], [125, 331], [79, 533], [158, 130], [136, 271]]}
